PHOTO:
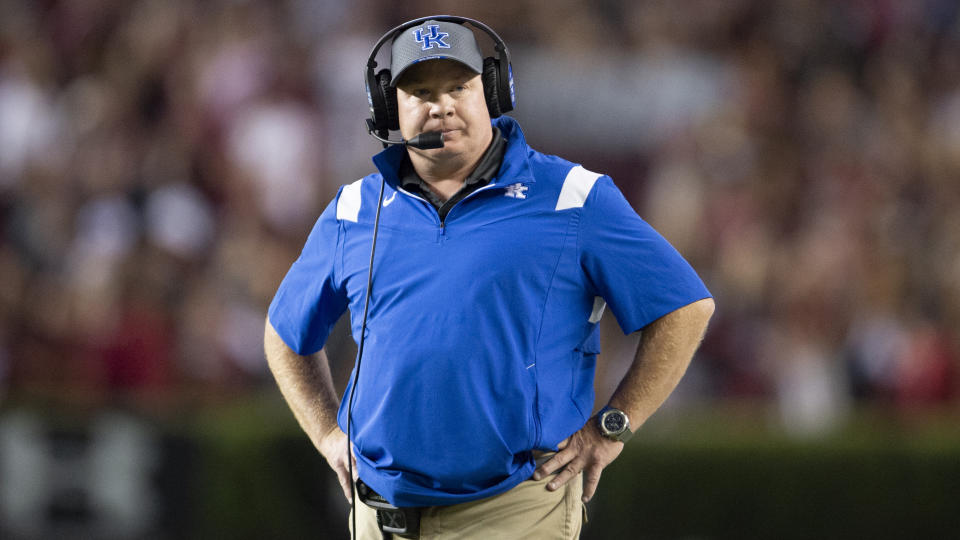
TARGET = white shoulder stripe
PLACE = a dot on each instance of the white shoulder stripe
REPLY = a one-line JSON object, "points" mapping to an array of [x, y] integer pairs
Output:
{"points": [[348, 206], [598, 306], [576, 188]]}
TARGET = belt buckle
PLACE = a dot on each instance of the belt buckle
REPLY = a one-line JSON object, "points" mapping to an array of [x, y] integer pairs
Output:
{"points": [[403, 522]]}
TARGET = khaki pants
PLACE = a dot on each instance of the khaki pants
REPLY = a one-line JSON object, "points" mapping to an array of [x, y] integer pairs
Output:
{"points": [[527, 511]]}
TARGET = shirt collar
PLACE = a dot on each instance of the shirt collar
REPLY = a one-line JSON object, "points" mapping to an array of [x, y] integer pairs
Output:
{"points": [[516, 165]]}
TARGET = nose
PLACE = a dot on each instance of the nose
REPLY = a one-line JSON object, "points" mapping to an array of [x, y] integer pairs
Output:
{"points": [[442, 107]]}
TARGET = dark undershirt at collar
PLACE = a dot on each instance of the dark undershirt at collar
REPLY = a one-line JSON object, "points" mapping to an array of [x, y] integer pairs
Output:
{"points": [[487, 167]]}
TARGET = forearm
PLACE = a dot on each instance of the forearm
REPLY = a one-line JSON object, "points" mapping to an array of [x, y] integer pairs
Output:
{"points": [[306, 384], [665, 350]]}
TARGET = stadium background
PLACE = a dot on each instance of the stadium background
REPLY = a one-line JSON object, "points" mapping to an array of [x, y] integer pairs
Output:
{"points": [[161, 162]]}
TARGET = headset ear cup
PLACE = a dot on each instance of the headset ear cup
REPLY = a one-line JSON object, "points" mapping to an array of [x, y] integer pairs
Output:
{"points": [[505, 88], [389, 99], [376, 101], [491, 85]]}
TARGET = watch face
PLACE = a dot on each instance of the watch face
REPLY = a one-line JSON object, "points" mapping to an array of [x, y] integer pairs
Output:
{"points": [[614, 423]]}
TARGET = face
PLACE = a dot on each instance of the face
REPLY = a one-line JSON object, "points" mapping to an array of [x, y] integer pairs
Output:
{"points": [[444, 95]]}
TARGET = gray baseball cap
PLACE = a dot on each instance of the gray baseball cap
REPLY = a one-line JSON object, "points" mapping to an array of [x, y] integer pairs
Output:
{"points": [[434, 40]]}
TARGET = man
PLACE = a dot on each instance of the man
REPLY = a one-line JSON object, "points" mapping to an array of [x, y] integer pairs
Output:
{"points": [[493, 265]]}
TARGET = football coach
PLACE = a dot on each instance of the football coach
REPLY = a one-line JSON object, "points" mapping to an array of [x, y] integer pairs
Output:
{"points": [[475, 270]]}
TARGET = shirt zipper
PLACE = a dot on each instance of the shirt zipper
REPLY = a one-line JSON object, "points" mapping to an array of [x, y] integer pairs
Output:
{"points": [[472, 193], [443, 222]]}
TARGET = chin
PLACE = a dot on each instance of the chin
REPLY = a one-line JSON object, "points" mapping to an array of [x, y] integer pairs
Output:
{"points": [[444, 152]]}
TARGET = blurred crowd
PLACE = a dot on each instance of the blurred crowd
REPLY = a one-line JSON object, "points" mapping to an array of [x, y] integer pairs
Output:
{"points": [[162, 161]]}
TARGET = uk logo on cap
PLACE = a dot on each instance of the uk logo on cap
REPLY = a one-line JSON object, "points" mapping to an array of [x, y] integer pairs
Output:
{"points": [[435, 39]]}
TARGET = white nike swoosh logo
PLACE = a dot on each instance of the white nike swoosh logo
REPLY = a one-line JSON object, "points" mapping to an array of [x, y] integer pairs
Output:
{"points": [[389, 200]]}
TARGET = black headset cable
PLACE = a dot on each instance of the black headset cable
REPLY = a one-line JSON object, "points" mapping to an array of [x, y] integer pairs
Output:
{"points": [[356, 373]]}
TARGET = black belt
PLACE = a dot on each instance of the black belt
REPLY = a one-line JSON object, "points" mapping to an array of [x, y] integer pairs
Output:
{"points": [[403, 522]]}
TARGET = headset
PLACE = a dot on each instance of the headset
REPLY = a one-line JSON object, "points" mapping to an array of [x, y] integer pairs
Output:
{"points": [[497, 77]]}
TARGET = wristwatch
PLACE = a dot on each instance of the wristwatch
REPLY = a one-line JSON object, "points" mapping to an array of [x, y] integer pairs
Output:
{"points": [[614, 424]]}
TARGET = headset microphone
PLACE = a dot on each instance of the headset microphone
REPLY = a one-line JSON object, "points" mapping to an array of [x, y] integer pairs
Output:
{"points": [[423, 141]]}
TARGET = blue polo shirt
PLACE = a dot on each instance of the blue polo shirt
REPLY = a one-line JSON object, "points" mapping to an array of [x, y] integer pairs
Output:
{"points": [[482, 331]]}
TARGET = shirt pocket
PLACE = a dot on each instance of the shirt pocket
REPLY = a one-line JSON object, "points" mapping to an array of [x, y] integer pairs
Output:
{"points": [[582, 372]]}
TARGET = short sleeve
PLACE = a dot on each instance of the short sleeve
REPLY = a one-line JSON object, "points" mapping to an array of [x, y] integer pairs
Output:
{"points": [[310, 299], [629, 264]]}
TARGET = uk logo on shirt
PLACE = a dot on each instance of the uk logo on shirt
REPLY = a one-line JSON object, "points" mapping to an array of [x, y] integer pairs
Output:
{"points": [[516, 191], [435, 39]]}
